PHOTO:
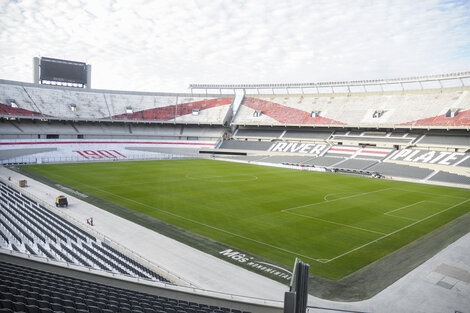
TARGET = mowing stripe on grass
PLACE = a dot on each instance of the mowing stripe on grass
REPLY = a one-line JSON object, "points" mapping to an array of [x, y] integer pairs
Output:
{"points": [[398, 230], [203, 224], [428, 193], [342, 198], [336, 223], [215, 207], [403, 207]]}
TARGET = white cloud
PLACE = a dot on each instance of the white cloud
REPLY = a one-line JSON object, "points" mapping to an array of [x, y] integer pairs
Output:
{"points": [[166, 45]]}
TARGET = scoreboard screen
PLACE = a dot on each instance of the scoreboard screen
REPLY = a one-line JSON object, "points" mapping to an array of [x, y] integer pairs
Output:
{"points": [[63, 71]]}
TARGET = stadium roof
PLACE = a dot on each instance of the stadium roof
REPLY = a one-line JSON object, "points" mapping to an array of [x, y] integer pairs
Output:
{"points": [[415, 79]]}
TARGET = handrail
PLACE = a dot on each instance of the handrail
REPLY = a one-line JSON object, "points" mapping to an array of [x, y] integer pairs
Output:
{"points": [[160, 270], [148, 282]]}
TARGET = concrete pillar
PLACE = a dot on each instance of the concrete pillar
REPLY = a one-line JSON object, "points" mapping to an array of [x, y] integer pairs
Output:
{"points": [[36, 70], [88, 76]]}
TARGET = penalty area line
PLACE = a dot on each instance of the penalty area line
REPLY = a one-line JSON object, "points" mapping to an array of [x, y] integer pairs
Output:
{"points": [[342, 198], [428, 193], [336, 223], [396, 231]]}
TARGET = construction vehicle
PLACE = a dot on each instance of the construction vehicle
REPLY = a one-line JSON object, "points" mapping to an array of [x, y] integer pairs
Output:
{"points": [[61, 201]]}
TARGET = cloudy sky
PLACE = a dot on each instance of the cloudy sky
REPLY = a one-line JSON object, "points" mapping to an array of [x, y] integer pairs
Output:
{"points": [[165, 45]]}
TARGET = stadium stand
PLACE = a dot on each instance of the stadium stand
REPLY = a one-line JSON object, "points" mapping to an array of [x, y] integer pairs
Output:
{"points": [[451, 178], [356, 127], [257, 133], [349, 132], [461, 118], [79, 104], [446, 140], [307, 134], [424, 108], [368, 139], [247, 158], [355, 164], [280, 114], [465, 162], [8, 110], [287, 159], [399, 170], [34, 129], [428, 156], [25, 288], [32, 229], [246, 145], [324, 161]]}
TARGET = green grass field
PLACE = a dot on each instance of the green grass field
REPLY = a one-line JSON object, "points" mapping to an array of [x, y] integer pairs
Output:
{"points": [[336, 223]]}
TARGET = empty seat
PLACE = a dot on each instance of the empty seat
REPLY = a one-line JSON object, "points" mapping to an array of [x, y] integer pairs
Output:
{"points": [[69, 309], [56, 307], [81, 306], [59, 294], [32, 309], [6, 304], [19, 306], [94, 309]]}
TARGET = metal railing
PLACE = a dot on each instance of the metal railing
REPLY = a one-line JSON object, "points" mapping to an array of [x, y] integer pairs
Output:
{"points": [[134, 255], [79, 159], [184, 286]]}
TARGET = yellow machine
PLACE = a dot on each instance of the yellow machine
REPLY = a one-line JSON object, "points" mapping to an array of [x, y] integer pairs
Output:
{"points": [[61, 201]]}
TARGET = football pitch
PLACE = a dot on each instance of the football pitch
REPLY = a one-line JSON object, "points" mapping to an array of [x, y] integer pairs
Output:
{"points": [[336, 223]]}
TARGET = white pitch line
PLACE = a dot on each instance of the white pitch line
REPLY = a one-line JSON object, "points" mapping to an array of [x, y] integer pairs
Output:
{"points": [[342, 198], [338, 193], [429, 193], [396, 231], [199, 223], [402, 217], [403, 207], [336, 223], [212, 227], [229, 180]]}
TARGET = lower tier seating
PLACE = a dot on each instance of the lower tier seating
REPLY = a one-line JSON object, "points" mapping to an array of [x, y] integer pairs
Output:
{"points": [[399, 170], [28, 227], [26, 289]]}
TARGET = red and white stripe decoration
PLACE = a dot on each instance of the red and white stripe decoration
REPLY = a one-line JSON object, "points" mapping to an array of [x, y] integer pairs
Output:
{"points": [[358, 151]]}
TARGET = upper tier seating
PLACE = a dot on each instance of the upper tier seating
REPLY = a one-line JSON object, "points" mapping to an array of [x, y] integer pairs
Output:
{"points": [[306, 134], [28, 227], [8, 110], [435, 140], [34, 129], [27, 289], [417, 108], [82, 104], [370, 139]]}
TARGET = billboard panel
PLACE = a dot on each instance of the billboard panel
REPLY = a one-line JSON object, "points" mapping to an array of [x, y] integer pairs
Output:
{"points": [[63, 71]]}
